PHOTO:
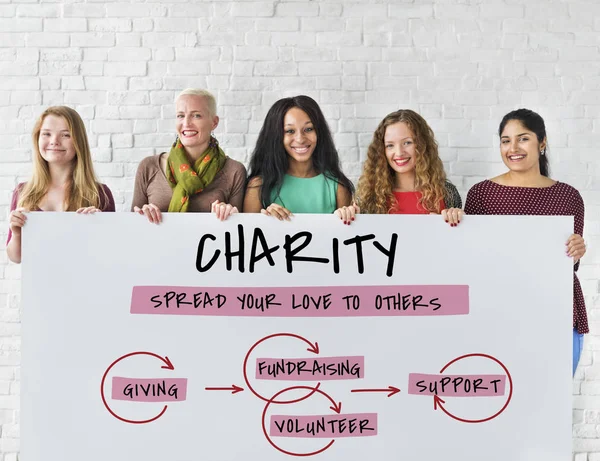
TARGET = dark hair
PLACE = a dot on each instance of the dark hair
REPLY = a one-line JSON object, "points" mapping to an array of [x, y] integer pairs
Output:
{"points": [[269, 160], [534, 122]]}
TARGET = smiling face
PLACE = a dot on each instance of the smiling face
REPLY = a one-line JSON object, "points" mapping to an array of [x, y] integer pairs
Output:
{"points": [[55, 142], [520, 147], [400, 151], [194, 121], [299, 135]]}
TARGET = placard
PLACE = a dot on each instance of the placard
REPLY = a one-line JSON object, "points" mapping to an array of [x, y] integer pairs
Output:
{"points": [[397, 337]]}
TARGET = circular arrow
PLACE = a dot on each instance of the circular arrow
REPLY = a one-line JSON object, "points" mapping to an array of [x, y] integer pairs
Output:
{"points": [[336, 407], [168, 366], [437, 400], [314, 348]]}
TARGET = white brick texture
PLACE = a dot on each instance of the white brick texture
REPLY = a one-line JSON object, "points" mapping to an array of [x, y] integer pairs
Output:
{"points": [[460, 63]]}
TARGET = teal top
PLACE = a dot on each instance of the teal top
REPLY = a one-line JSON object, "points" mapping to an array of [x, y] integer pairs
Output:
{"points": [[307, 195]]}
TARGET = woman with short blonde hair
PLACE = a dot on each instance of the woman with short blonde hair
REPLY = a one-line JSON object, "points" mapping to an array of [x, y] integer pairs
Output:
{"points": [[195, 175]]}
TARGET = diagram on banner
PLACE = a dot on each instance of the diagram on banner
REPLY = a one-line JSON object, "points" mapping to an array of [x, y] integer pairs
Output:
{"points": [[229, 346], [143, 390], [318, 370]]}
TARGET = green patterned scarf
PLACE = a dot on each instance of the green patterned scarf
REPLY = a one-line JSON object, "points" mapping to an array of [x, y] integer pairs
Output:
{"points": [[187, 181]]}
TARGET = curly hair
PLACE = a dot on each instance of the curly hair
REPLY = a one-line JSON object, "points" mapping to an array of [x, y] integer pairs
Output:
{"points": [[376, 183]]}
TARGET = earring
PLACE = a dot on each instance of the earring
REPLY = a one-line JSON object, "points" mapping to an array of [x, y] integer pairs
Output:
{"points": [[543, 151]]}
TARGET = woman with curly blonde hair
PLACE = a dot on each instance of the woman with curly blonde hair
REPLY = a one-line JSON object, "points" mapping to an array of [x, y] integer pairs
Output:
{"points": [[403, 173]]}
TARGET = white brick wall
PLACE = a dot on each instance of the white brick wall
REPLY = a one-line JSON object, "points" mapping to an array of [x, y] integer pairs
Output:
{"points": [[461, 63]]}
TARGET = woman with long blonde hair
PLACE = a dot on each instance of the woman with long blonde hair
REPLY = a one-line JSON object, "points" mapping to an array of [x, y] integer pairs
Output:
{"points": [[403, 173], [63, 175]]}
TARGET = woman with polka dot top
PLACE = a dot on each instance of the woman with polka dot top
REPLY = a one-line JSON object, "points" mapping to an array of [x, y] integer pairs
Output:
{"points": [[526, 189]]}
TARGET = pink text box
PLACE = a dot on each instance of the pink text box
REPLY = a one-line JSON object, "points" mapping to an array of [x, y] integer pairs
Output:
{"points": [[375, 301], [451, 385], [324, 426], [302, 369], [149, 389]]}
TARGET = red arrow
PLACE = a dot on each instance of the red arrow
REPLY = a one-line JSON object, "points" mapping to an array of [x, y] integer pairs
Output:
{"points": [[234, 389], [391, 389], [337, 407], [438, 402], [312, 347], [167, 365]]}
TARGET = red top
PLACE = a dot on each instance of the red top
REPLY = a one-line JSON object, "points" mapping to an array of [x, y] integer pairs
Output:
{"points": [[408, 203], [489, 198]]}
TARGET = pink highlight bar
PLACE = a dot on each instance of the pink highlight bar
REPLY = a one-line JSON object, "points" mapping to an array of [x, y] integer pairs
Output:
{"points": [[310, 369], [338, 301], [149, 389], [324, 426], [457, 385]]}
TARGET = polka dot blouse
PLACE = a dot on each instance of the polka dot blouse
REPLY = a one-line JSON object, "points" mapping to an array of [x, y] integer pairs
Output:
{"points": [[489, 198]]}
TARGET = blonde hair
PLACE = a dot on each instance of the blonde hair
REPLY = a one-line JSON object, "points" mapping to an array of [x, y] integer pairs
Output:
{"points": [[211, 102], [82, 189], [376, 184]]}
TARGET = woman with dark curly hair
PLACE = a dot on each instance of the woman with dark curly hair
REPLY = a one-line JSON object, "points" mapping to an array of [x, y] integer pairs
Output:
{"points": [[403, 173], [295, 167]]}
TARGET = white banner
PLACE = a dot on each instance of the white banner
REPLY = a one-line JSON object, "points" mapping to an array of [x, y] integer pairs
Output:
{"points": [[397, 337]]}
